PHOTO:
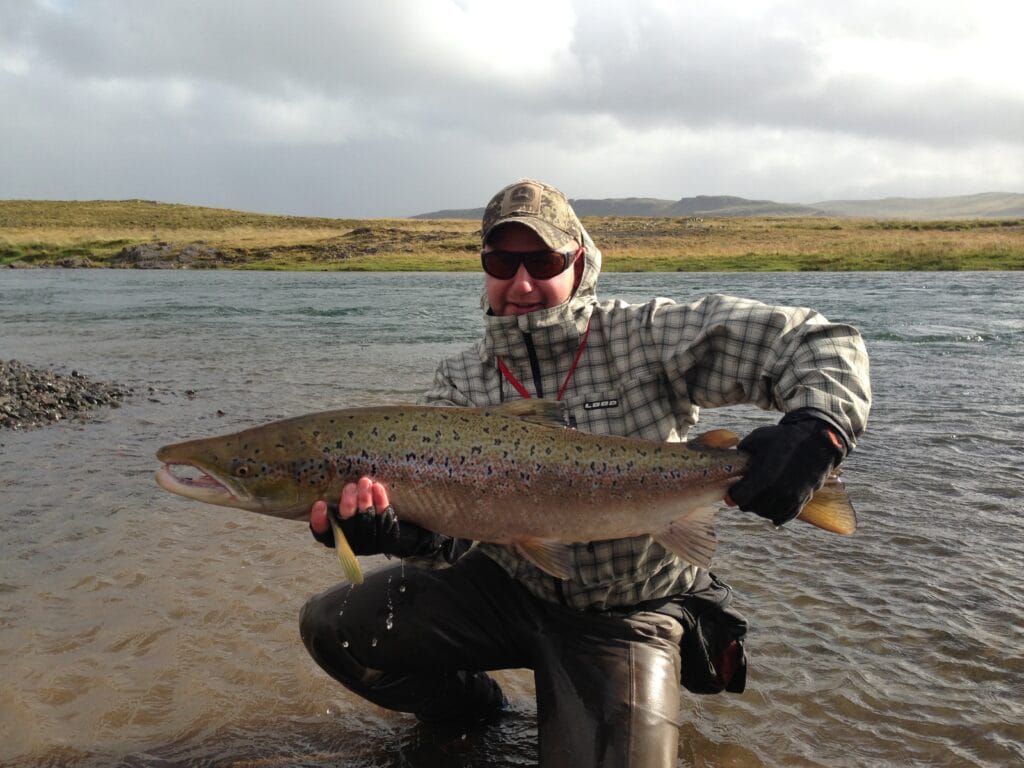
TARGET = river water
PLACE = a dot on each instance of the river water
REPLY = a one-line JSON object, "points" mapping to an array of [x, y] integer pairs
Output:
{"points": [[140, 629]]}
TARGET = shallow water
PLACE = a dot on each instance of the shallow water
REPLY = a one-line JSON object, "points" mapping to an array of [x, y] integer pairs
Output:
{"points": [[139, 629]]}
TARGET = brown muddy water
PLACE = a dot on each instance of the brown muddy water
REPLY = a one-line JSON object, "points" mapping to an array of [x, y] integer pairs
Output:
{"points": [[140, 629]]}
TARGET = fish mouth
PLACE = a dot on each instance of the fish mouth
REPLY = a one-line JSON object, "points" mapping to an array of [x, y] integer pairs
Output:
{"points": [[193, 482], [188, 480]]}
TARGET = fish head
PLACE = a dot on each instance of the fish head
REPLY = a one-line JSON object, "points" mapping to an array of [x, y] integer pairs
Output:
{"points": [[270, 472]]}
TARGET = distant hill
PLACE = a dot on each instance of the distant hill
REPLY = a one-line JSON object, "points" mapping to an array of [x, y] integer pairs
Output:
{"points": [[988, 205]]}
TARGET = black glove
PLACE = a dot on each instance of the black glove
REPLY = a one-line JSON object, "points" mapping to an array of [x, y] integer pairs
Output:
{"points": [[369, 533], [788, 463]]}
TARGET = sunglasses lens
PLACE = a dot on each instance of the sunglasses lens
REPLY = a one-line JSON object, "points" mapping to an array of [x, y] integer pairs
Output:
{"points": [[500, 264], [544, 266]]}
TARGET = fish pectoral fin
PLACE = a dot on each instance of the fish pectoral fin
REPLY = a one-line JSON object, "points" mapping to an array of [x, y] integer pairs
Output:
{"points": [[691, 537], [547, 413], [552, 557], [831, 509], [347, 558]]}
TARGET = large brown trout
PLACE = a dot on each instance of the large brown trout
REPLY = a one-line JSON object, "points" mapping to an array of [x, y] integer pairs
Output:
{"points": [[510, 474]]}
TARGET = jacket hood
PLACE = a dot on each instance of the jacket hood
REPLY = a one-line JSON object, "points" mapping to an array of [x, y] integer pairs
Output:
{"points": [[553, 328]]}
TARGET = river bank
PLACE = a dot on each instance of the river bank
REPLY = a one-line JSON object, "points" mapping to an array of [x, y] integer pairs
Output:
{"points": [[146, 235]]}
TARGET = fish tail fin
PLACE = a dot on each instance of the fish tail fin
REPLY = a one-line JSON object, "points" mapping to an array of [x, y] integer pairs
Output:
{"points": [[347, 558], [831, 509], [691, 537]]}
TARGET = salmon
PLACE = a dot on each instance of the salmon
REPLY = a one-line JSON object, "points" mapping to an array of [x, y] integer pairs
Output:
{"points": [[510, 474]]}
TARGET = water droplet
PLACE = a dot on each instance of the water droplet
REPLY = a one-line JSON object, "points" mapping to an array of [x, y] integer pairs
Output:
{"points": [[341, 612], [401, 587], [373, 643], [391, 607], [344, 643]]}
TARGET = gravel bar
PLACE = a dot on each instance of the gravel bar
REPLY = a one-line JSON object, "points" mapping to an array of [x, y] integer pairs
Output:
{"points": [[34, 397]]}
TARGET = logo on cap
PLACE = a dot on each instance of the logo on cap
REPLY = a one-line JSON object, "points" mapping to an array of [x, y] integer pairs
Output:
{"points": [[523, 198]]}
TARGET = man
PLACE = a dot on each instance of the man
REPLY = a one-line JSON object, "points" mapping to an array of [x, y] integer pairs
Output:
{"points": [[605, 644]]}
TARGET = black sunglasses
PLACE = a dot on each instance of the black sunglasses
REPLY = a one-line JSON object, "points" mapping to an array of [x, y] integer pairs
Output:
{"points": [[541, 265]]}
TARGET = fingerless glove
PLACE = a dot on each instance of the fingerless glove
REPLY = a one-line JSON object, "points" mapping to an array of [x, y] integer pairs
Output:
{"points": [[370, 533]]}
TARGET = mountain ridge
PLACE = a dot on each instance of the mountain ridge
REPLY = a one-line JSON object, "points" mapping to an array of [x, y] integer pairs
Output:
{"points": [[984, 205]]}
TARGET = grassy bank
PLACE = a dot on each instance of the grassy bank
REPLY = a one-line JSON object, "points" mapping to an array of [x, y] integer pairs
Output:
{"points": [[145, 234]]}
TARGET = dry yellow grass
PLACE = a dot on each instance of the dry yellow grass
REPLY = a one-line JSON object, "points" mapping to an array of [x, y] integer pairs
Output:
{"points": [[95, 233]]}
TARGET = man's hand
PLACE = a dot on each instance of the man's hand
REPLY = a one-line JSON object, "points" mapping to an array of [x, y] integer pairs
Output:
{"points": [[367, 494], [788, 463], [366, 517]]}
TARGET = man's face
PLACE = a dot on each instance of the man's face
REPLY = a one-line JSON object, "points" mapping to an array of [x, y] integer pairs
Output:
{"points": [[522, 293]]}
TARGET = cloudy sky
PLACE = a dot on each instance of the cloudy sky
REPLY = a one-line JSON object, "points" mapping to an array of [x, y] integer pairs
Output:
{"points": [[396, 107]]}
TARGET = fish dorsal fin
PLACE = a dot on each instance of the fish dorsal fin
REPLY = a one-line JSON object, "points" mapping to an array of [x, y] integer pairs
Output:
{"points": [[548, 413], [691, 537], [715, 438], [830, 508], [552, 557]]}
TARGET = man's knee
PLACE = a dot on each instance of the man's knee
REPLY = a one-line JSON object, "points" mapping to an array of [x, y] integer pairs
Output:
{"points": [[320, 626], [313, 623]]}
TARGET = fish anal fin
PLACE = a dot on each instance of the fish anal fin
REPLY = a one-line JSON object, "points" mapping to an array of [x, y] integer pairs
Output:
{"points": [[716, 438], [691, 537], [831, 509], [347, 558], [548, 413], [552, 557]]}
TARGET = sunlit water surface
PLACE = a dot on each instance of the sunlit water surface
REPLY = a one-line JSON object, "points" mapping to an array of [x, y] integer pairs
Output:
{"points": [[139, 629]]}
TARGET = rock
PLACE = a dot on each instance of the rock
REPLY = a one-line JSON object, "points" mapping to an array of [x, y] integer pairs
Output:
{"points": [[163, 255], [33, 397], [145, 256], [74, 262]]}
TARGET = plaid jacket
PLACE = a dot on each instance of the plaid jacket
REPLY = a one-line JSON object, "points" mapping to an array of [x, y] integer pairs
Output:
{"points": [[646, 371]]}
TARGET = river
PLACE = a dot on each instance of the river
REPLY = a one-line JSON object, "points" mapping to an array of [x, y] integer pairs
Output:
{"points": [[140, 629]]}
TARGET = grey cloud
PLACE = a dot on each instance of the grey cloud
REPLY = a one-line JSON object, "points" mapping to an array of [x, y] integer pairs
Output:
{"points": [[648, 70], [362, 108], [324, 46], [640, 64]]}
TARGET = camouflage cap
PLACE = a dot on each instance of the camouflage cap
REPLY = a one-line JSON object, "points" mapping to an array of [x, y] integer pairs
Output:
{"points": [[538, 206]]}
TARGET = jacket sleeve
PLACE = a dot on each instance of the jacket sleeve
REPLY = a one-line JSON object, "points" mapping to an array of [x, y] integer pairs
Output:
{"points": [[723, 351]]}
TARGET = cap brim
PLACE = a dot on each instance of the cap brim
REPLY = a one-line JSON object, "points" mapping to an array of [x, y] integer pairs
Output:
{"points": [[553, 237]]}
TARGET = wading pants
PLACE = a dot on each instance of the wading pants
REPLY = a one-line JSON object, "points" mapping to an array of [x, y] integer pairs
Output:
{"points": [[417, 640]]}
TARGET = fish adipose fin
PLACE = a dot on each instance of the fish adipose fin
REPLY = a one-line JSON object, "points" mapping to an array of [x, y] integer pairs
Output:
{"points": [[347, 558], [715, 438], [552, 557], [831, 509], [691, 537]]}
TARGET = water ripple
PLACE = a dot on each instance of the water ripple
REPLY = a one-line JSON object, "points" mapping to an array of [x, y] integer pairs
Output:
{"points": [[140, 630]]}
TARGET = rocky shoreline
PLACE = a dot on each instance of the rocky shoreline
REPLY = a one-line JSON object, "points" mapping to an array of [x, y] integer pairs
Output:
{"points": [[34, 397]]}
